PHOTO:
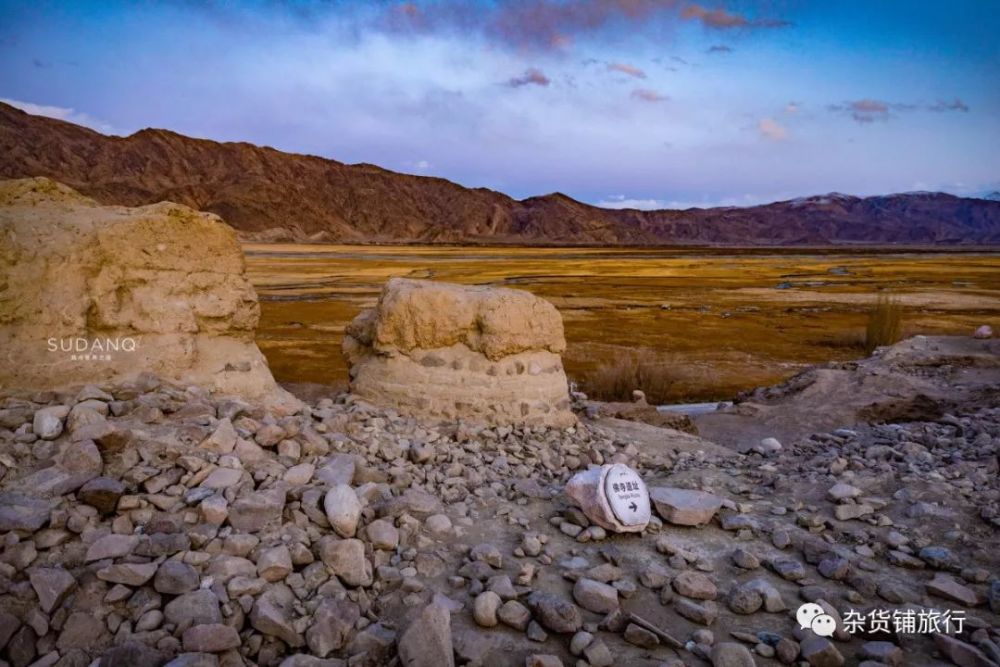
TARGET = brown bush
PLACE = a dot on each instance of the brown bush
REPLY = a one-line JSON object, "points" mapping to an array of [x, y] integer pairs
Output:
{"points": [[885, 323], [615, 379]]}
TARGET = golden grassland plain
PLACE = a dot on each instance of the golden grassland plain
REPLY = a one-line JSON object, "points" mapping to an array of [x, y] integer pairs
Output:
{"points": [[718, 321]]}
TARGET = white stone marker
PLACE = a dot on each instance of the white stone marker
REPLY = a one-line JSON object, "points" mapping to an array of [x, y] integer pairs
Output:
{"points": [[612, 496]]}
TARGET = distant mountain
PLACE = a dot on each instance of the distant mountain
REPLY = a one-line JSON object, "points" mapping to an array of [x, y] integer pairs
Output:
{"points": [[992, 196], [270, 195]]}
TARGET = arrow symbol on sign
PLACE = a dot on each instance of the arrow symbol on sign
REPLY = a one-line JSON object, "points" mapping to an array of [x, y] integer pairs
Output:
{"points": [[633, 506]]}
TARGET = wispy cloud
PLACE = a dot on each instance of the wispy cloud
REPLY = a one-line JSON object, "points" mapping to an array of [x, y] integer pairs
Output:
{"points": [[628, 69], [720, 48], [954, 105], [555, 24], [869, 110], [647, 95], [721, 19], [772, 129], [531, 77], [67, 114]]}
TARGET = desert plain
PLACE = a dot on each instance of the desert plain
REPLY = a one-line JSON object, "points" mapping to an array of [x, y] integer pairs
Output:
{"points": [[718, 321]]}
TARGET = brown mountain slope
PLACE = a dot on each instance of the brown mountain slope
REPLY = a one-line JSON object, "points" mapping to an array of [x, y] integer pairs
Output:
{"points": [[268, 194]]}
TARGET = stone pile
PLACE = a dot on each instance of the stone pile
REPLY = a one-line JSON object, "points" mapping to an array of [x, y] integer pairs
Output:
{"points": [[153, 523]]}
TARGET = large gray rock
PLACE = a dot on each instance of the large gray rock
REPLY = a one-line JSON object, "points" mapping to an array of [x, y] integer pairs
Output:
{"points": [[343, 509], [195, 608], [22, 512], [595, 596], [346, 559], [333, 623], [731, 654], [555, 613], [48, 422], [684, 507], [253, 512], [273, 614], [427, 641], [52, 585]]}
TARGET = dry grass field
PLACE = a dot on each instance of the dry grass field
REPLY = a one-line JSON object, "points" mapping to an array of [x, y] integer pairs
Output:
{"points": [[696, 324]]}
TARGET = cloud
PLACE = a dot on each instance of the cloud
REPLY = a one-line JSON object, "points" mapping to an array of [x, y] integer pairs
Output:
{"points": [[954, 105], [720, 48], [67, 114], [647, 95], [772, 129], [869, 110], [531, 77], [722, 20], [555, 24], [621, 201], [625, 68], [793, 107]]}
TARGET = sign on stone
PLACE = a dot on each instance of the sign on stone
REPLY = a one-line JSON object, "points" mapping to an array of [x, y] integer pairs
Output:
{"points": [[627, 495]]}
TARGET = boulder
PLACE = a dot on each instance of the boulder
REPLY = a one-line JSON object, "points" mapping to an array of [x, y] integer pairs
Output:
{"points": [[96, 294], [427, 640], [684, 507], [456, 351]]}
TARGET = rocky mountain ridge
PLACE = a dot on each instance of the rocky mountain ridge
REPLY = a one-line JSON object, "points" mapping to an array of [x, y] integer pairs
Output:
{"points": [[270, 195]]}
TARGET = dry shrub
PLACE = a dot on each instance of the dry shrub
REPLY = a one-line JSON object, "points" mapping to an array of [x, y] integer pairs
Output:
{"points": [[885, 323], [615, 379]]}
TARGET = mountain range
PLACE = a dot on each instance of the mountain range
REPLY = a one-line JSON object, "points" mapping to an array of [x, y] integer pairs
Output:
{"points": [[270, 195]]}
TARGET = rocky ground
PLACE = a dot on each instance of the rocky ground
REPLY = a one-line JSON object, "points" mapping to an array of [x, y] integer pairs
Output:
{"points": [[148, 523]]}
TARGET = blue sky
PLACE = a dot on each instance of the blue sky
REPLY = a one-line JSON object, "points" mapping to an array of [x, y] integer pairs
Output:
{"points": [[649, 103]]}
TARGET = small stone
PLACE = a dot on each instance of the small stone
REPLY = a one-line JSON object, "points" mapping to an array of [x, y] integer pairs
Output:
{"points": [[536, 633], [820, 652], [48, 422], [253, 512], [427, 641], [745, 560], [945, 587], [273, 614], [640, 636], [884, 652], [343, 509], [195, 608], [595, 596], [52, 585], [598, 654], [554, 613], [211, 638], [300, 475], [333, 623], [101, 493], [485, 608], [744, 600], [695, 585], [222, 440], [514, 614], [274, 564], [841, 491], [175, 577], [128, 574], [438, 524], [215, 509], [684, 507], [382, 534], [580, 641], [959, 652], [704, 613], [346, 559], [731, 654], [112, 546]]}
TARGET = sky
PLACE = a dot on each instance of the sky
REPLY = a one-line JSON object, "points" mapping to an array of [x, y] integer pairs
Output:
{"points": [[619, 103]]}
